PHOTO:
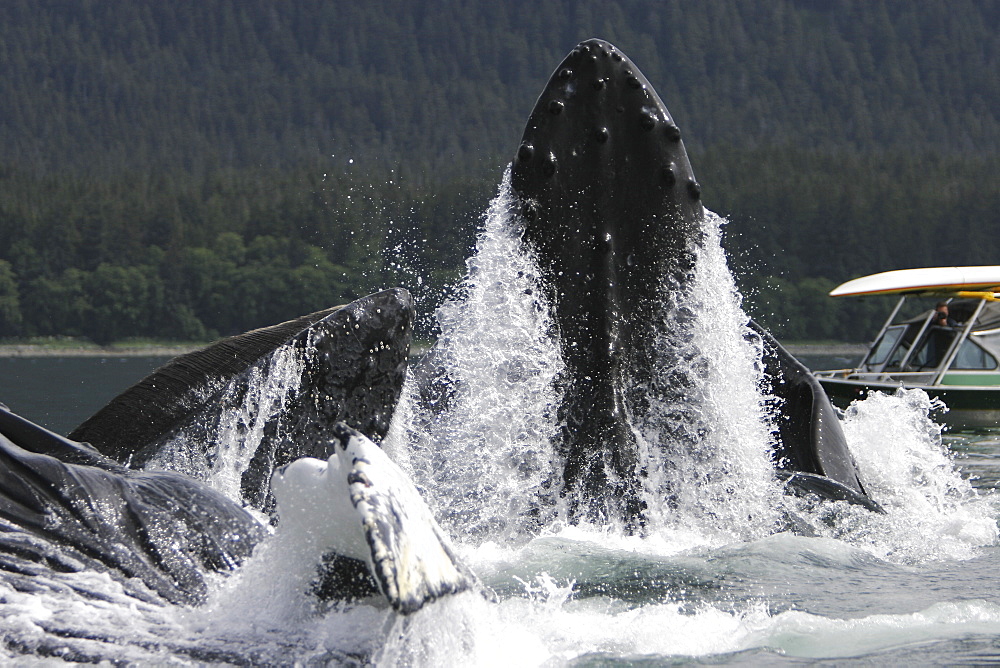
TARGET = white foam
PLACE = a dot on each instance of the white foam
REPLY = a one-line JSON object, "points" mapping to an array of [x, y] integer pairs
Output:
{"points": [[717, 478], [932, 512], [485, 462], [806, 635], [547, 625]]}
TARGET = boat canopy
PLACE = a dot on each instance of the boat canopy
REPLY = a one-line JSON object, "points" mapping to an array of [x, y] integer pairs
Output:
{"points": [[958, 363], [980, 281]]}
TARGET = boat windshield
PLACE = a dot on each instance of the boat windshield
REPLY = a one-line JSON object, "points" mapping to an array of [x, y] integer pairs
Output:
{"points": [[972, 356], [886, 345], [931, 351], [913, 349]]}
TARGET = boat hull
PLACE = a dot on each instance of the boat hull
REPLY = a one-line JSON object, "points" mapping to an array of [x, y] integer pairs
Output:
{"points": [[969, 406]]}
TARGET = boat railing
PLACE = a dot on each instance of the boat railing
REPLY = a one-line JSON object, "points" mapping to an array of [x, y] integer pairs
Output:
{"points": [[916, 340], [881, 332], [876, 376]]}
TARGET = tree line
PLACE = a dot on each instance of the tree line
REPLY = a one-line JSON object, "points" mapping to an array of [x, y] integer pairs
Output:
{"points": [[195, 258], [200, 258], [192, 169]]}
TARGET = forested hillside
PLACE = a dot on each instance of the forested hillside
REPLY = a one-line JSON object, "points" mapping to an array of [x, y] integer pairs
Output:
{"points": [[190, 169]]}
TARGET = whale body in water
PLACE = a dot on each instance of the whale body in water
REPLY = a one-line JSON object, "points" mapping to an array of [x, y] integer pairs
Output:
{"points": [[608, 206], [66, 506]]}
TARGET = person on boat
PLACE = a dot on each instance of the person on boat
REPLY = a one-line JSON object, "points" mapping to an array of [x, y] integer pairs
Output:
{"points": [[941, 318], [938, 341]]}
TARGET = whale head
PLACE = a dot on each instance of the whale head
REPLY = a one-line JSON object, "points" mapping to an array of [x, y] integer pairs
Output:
{"points": [[612, 212]]}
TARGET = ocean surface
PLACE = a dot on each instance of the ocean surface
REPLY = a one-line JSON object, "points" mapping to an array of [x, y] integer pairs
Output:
{"points": [[783, 598], [727, 569], [61, 392]]}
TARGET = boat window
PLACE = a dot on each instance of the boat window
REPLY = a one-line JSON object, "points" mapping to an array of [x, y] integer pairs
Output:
{"points": [[988, 340], [880, 351], [932, 348], [972, 356]]}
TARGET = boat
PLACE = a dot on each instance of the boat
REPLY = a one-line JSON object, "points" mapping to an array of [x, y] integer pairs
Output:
{"points": [[956, 363]]}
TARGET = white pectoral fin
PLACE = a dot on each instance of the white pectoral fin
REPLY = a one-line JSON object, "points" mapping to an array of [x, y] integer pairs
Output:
{"points": [[411, 558]]}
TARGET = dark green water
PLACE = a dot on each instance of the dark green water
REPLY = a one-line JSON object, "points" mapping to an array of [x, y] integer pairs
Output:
{"points": [[61, 392]]}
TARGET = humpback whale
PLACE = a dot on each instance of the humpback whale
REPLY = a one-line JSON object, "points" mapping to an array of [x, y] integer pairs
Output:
{"points": [[352, 362], [66, 506], [611, 210]]}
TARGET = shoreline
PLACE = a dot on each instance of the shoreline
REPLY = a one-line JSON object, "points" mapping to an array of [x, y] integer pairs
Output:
{"points": [[173, 350], [124, 350]]}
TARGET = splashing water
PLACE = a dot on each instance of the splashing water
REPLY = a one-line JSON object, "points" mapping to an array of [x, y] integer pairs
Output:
{"points": [[933, 513], [218, 447], [712, 574], [481, 451], [482, 456], [709, 575], [717, 477]]}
